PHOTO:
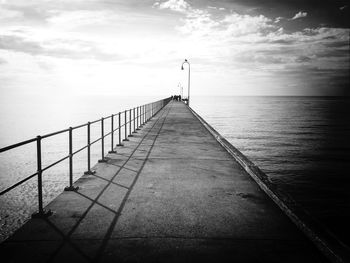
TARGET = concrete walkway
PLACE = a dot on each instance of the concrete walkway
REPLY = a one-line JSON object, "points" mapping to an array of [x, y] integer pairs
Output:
{"points": [[170, 194]]}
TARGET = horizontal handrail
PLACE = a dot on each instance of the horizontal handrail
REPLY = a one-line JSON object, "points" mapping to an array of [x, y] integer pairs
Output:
{"points": [[18, 183], [16, 145], [133, 119], [53, 164]]}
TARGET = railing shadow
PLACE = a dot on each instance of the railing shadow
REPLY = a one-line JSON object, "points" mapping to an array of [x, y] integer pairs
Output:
{"points": [[67, 237]]}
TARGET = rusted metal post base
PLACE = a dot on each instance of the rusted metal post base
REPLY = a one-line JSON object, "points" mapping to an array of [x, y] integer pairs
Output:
{"points": [[126, 139], [112, 151], [102, 160], [42, 214]]}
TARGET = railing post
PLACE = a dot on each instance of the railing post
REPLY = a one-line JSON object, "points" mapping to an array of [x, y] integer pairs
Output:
{"points": [[134, 120], [120, 131], [150, 111], [130, 135], [141, 124], [138, 119], [71, 187], [41, 212], [146, 113], [102, 160], [112, 134], [88, 152], [139, 116], [125, 128]]}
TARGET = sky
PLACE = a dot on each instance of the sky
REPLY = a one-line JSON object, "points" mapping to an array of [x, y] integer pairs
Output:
{"points": [[136, 48]]}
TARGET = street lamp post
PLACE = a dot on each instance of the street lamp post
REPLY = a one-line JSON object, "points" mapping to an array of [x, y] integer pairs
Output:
{"points": [[189, 78]]}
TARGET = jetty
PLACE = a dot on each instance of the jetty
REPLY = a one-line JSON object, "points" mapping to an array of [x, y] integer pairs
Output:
{"points": [[171, 193]]}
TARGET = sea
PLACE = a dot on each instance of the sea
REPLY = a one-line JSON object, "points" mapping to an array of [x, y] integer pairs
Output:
{"points": [[301, 143]]}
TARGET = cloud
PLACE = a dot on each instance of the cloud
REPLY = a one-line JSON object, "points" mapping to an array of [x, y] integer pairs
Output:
{"points": [[216, 8], [343, 7], [302, 59], [2, 61], [299, 15], [199, 22], [59, 48], [78, 18], [256, 43], [278, 19], [80, 39], [15, 43], [243, 25], [9, 14], [174, 5]]}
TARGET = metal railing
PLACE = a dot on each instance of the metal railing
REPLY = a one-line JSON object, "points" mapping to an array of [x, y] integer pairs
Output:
{"points": [[134, 118]]}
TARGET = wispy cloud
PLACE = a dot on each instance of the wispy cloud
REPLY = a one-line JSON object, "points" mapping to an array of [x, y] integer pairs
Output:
{"points": [[298, 15], [59, 48], [279, 19], [77, 18], [8, 14], [2, 61], [174, 5]]}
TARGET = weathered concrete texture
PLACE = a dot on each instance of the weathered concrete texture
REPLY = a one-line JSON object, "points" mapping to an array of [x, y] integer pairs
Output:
{"points": [[170, 194]]}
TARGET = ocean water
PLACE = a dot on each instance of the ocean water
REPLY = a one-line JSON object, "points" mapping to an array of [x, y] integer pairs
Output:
{"points": [[301, 143]]}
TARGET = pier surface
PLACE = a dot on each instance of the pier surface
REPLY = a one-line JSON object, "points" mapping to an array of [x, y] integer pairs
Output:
{"points": [[170, 194]]}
